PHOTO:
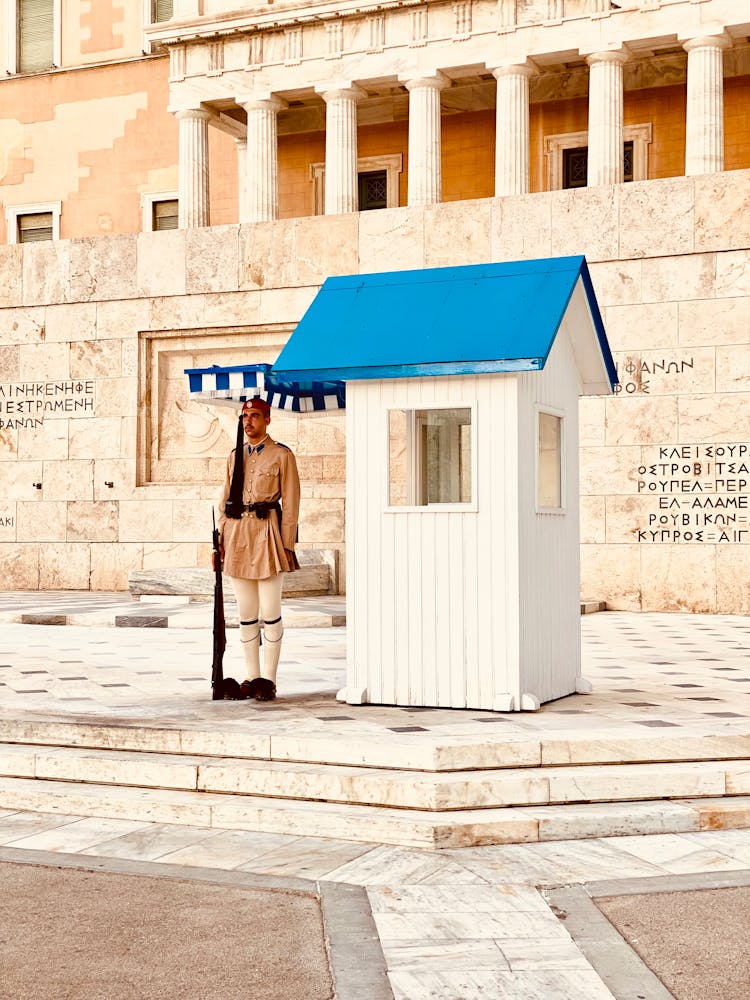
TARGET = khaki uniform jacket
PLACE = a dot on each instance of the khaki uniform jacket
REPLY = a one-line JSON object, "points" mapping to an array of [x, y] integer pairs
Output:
{"points": [[253, 546]]}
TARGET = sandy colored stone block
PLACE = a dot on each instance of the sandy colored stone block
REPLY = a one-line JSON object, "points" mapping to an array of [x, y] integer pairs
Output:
{"points": [[715, 418], [721, 814], [10, 359], [118, 319], [585, 220], [41, 522], [733, 578], [310, 467], [103, 268], [642, 327], [325, 246], [17, 479], [130, 357], [617, 283], [626, 515], [92, 522], [94, 437], [669, 279], [44, 362], [592, 514], [19, 567], [68, 480], [591, 420], [611, 573], [23, 326], [192, 520], [609, 470], [145, 520], [46, 273], [586, 822], [285, 305], [96, 359], [8, 521], [267, 255], [733, 368], [211, 255], [160, 263], [457, 233], [322, 434], [11, 275], [111, 563], [116, 397], [176, 313], [666, 372], [71, 322], [64, 566], [391, 238], [521, 227], [722, 211], [322, 521], [733, 273], [162, 555], [8, 444], [641, 420], [231, 308], [334, 469], [678, 577], [657, 217], [714, 321], [118, 471], [50, 441]]}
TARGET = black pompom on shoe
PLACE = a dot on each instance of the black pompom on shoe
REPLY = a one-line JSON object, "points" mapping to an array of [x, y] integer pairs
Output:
{"points": [[231, 689], [249, 689], [266, 690]]}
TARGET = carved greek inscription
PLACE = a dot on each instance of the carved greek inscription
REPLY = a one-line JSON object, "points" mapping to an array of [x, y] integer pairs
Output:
{"points": [[701, 493], [28, 404], [7, 521], [636, 375]]}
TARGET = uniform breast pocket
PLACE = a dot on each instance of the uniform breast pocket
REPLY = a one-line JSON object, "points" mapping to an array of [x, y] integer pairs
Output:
{"points": [[267, 482]]}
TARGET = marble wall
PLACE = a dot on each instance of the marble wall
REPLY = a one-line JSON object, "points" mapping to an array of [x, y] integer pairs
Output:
{"points": [[106, 465]]}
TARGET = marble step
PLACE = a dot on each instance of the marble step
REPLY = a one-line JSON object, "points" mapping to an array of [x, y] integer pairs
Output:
{"points": [[403, 751], [424, 791], [426, 830]]}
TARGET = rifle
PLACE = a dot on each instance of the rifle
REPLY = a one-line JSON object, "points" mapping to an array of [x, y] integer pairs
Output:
{"points": [[220, 633]]}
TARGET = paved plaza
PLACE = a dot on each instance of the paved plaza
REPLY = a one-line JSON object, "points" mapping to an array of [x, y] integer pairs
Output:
{"points": [[495, 921]]}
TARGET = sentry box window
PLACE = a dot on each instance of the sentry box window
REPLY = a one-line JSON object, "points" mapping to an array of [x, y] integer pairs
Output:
{"points": [[549, 494], [430, 457]]}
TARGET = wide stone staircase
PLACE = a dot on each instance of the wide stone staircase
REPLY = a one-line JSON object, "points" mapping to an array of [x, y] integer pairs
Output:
{"points": [[431, 793]]}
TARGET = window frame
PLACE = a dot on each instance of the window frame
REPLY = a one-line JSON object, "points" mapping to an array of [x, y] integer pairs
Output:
{"points": [[12, 212], [392, 163], [11, 47], [554, 145], [551, 411], [471, 506], [148, 199]]}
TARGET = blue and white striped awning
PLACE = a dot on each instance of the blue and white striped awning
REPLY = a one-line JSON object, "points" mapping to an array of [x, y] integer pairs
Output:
{"points": [[232, 385]]}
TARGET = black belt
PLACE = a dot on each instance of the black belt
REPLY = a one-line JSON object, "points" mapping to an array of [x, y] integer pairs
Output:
{"points": [[262, 508]]}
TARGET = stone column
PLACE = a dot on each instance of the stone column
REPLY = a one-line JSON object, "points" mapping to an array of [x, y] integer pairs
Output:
{"points": [[425, 168], [704, 133], [605, 164], [193, 170], [241, 145], [341, 194], [512, 132], [262, 163]]}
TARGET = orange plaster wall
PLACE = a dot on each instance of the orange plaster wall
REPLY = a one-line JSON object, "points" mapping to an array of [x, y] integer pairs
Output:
{"points": [[296, 153], [665, 108], [468, 155], [552, 118], [737, 123]]}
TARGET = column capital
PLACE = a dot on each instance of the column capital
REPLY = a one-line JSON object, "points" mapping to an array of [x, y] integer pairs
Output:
{"points": [[615, 56], [527, 69], [717, 41], [261, 102], [193, 114], [341, 91], [432, 81]]}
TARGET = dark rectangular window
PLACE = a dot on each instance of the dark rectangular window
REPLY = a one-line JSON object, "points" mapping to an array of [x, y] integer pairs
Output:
{"points": [[35, 227], [575, 165], [373, 190], [164, 215], [35, 35]]}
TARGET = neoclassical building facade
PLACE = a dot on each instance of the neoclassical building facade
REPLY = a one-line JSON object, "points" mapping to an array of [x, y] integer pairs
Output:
{"points": [[179, 178]]}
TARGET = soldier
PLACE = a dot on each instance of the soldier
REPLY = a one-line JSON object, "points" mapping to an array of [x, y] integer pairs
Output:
{"points": [[257, 535]]}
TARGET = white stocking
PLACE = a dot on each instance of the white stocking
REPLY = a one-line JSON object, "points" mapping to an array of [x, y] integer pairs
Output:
{"points": [[246, 592], [273, 629]]}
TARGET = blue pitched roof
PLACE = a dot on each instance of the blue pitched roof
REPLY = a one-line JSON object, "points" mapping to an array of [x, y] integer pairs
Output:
{"points": [[441, 321]]}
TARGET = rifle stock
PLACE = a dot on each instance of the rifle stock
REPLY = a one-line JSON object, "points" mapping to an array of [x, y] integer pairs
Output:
{"points": [[220, 632]]}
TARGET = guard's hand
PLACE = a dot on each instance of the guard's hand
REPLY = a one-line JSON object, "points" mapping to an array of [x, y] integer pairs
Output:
{"points": [[213, 558]]}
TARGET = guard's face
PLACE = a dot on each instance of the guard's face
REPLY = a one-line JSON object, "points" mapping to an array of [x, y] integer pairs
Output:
{"points": [[254, 424]]}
